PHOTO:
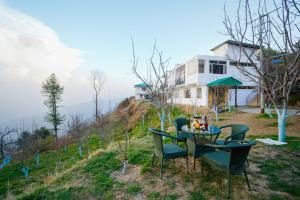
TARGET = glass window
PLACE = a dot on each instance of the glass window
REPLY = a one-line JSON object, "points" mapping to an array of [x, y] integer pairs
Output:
{"points": [[235, 63], [180, 75], [201, 64], [187, 93], [199, 93], [217, 67]]}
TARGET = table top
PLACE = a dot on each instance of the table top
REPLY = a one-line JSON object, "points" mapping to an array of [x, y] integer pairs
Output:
{"points": [[213, 130]]}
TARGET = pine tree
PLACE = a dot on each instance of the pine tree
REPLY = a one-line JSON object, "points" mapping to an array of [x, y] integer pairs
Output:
{"points": [[53, 91]]}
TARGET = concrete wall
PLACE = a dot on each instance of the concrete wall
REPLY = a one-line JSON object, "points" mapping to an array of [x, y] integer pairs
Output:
{"points": [[241, 96], [203, 101], [140, 93]]}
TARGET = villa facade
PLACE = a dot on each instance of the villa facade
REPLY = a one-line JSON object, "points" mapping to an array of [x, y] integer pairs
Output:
{"points": [[191, 77], [141, 91]]}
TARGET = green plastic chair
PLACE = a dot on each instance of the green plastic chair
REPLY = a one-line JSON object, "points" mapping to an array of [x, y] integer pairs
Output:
{"points": [[231, 160], [167, 151], [178, 123], [238, 132]]}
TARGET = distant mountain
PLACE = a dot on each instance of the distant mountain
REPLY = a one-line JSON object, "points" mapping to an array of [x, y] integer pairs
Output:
{"points": [[85, 110]]}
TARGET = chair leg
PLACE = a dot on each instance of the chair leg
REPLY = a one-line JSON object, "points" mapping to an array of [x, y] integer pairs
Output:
{"points": [[153, 159], [247, 162], [247, 180], [194, 163], [161, 167], [228, 185], [187, 164]]}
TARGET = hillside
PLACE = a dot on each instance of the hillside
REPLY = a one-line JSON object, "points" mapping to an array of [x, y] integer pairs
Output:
{"points": [[98, 173]]}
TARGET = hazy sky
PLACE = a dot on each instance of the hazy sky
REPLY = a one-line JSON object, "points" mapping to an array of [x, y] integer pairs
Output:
{"points": [[72, 37]]}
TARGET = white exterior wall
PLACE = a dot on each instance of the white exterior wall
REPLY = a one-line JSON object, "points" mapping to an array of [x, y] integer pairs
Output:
{"points": [[233, 52], [195, 80], [241, 96], [203, 101], [140, 93]]}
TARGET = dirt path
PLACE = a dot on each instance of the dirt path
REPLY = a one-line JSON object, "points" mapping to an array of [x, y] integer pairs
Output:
{"points": [[261, 126]]}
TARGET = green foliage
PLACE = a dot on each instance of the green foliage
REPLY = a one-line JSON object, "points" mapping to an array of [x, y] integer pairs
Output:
{"points": [[53, 91], [48, 164], [273, 168], [293, 142], [279, 169], [197, 195], [170, 196], [134, 189], [138, 156], [60, 194], [171, 184], [99, 169], [153, 195], [146, 167], [275, 124], [142, 157], [265, 116]]}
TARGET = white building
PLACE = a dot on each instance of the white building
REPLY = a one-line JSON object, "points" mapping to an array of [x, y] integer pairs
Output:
{"points": [[191, 78], [141, 91]]}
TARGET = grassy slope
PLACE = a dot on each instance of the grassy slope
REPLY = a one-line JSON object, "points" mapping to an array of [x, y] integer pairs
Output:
{"points": [[274, 172]]}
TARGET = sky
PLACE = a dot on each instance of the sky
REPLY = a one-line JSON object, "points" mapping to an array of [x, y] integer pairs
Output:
{"points": [[72, 37]]}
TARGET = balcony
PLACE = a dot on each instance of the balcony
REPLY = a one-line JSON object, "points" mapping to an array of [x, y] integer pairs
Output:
{"points": [[179, 81]]}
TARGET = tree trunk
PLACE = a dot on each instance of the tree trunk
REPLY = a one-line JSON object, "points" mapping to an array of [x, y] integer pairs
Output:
{"points": [[162, 120], [217, 113], [1, 151], [281, 118], [55, 132], [96, 102]]}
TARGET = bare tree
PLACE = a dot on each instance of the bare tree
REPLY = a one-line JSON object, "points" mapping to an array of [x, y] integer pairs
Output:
{"points": [[98, 80], [194, 102], [5, 141], [157, 81], [274, 26]]}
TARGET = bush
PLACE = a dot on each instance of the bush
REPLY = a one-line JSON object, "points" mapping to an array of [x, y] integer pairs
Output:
{"points": [[134, 189]]}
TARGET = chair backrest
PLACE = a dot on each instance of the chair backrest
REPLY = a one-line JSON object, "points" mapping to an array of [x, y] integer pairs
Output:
{"points": [[238, 131], [157, 139], [238, 155], [179, 122]]}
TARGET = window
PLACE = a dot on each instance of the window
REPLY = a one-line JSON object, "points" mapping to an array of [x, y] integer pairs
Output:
{"points": [[246, 87], [187, 93], [143, 89], [217, 67], [201, 64], [180, 75], [244, 64], [199, 93]]}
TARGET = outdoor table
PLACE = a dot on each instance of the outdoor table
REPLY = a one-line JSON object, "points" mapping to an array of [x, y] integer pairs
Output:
{"points": [[212, 131], [198, 138]]}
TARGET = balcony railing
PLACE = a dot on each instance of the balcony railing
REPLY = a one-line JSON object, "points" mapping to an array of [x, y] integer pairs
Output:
{"points": [[179, 81]]}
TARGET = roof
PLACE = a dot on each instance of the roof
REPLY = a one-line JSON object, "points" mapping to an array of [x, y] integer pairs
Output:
{"points": [[142, 85], [229, 81], [232, 42]]}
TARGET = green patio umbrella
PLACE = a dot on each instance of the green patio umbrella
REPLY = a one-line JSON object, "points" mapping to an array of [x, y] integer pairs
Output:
{"points": [[227, 82]]}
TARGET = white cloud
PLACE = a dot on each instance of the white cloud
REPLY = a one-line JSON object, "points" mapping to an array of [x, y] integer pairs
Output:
{"points": [[29, 52], [30, 49]]}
